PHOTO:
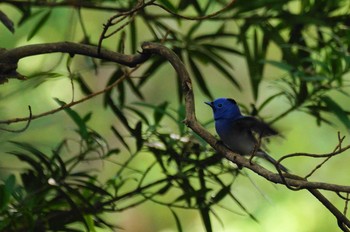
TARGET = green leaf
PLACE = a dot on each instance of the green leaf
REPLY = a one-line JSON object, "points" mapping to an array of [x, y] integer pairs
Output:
{"points": [[7, 22], [133, 34], [139, 113], [157, 62], [135, 89], [83, 130], [26, 13], [87, 117], [204, 211], [213, 58], [222, 48], [279, 64], [121, 93], [39, 25], [177, 220], [117, 112], [61, 166], [337, 110], [159, 112], [69, 194], [6, 191], [111, 152], [90, 222], [120, 137], [138, 135], [117, 74], [83, 85], [199, 77], [44, 159], [169, 5], [121, 44], [181, 114], [268, 100], [32, 162], [223, 192], [315, 78]]}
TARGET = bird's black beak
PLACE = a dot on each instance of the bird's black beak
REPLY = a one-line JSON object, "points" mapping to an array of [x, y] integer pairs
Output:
{"points": [[209, 104]]}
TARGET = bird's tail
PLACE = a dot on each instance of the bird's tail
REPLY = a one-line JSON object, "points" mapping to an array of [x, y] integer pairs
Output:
{"points": [[264, 155]]}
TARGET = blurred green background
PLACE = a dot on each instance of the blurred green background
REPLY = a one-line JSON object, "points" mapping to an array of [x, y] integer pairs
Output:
{"points": [[275, 207]]}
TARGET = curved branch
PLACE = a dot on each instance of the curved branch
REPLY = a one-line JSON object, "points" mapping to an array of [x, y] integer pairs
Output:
{"points": [[28, 120], [15, 54], [68, 105], [190, 121], [9, 58], [80, 4], [212, 15]]}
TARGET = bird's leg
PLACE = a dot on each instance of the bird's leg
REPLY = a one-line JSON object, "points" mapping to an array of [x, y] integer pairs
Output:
{"points": [[256, 148]]}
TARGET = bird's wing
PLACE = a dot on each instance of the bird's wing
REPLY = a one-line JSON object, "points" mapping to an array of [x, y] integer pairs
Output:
{"points": [[255, 125]]}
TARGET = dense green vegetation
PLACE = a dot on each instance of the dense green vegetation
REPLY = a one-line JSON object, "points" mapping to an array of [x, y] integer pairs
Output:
{"points": [[305, 43]]}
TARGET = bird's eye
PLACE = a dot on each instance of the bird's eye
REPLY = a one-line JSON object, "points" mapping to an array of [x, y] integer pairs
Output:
{"points": [[220, 105]]}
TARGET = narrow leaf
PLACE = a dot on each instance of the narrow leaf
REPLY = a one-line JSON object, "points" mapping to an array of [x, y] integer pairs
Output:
{"points": [[156, 108], [83, 85], [139, 113], [117, 74], [177, 220], [134, 88], [120, 137], [157, 62], [204, 211], [337, 110], [6, 191], [159, 112], [138, 135], [83, 130], [199, 77], [39, 25], [7, 22], [221, 194], [280, 64], [133, 34], [35, 152], [118, 113]]}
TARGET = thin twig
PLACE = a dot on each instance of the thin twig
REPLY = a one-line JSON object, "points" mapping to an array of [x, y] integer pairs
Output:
{"points": [[69, 105], [286, 179], [111, 21], [29, 120], [346, 204], [212, 15], [338, 147]]}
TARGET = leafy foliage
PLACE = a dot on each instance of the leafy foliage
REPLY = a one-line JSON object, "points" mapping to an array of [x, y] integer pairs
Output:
{"points": [[58, 190]]}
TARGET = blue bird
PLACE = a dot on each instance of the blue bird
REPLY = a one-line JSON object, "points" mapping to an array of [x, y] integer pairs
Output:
{"points": [[237, 131]]}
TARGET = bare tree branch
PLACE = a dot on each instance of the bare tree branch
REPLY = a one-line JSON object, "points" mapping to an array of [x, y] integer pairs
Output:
{"points": [[191, 122], [69, 3], [9, 59]]}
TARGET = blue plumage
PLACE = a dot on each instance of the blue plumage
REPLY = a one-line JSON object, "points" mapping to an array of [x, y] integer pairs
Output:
{"points": [[237, 131]]}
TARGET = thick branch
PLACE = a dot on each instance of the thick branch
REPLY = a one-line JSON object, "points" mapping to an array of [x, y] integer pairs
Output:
{"points": [[77, 4], [191, 122], [10, 58], [13, 55]]}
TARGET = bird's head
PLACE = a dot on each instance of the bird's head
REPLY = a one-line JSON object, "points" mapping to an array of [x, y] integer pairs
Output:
{"points": [[225, 108]]}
